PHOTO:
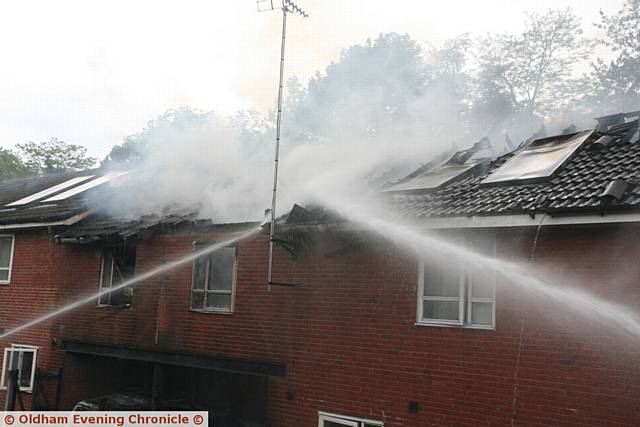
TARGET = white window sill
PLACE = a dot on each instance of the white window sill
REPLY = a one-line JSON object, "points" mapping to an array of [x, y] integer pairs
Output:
{"points": [[446, 325], [22, 390], [211, 311], [115, 307]]}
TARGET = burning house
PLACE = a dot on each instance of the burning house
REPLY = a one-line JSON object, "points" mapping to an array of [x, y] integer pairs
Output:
{"points": [[513, 304]]}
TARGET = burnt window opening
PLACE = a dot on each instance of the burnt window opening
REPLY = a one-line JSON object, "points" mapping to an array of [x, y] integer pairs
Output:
{"points": [[117, 266], [213, 280]]}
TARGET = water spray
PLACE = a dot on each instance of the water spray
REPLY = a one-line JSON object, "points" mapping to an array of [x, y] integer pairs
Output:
{"points": [[518, 275], [133, 281]]}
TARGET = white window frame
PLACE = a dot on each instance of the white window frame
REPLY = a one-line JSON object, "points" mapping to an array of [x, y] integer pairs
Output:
{"points": [[206, 291], [20, 349], [101, 285], [345, 420], [10, 268], [465, 298]]}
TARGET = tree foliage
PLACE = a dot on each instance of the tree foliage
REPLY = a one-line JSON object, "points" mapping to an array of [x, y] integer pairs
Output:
{"points": [[54, 156], [393, 87], [533, 70], [12, 166], [172, 123], [617, 83], [369, 88]]}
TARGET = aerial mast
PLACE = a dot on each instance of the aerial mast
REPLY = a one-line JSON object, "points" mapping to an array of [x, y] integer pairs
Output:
{"points": [[286, 6]]}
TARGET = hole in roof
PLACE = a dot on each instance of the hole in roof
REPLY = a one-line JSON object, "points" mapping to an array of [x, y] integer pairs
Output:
{"points": [[539, 159]]}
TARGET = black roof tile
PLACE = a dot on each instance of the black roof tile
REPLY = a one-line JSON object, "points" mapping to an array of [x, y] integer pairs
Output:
{"points": [[575, 186]]}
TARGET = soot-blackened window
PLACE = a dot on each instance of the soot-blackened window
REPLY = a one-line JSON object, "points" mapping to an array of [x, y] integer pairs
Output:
{"points": [[118, 265], [213, 282]]}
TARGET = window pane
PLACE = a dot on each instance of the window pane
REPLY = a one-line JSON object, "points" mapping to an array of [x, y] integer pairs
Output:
{"points": [[4, 275], [25, 370], [445, 310], [222, 266], [218, 300], [104, 299], [481, 313], [441, 281], [5, 251], [197, 300], [482, 284], [5, 367], [122, 296], [199, 272], [107, 262]]}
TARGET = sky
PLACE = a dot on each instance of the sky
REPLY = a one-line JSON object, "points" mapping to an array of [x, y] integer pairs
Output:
{"points": [[91, 72]]}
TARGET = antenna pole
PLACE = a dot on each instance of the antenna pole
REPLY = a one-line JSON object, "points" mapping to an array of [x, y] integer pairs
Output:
{"points": [[277, 155]]}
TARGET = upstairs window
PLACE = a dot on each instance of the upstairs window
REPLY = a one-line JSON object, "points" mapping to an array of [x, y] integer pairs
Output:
{"points": [[213, 282], [332, 420], [6, 258], [118, 265], [23, 359], [457, 294]]}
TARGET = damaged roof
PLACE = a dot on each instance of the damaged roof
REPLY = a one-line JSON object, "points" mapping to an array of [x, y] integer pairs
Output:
{"points": [[600, 175], [78, 204], [18, 206], [102, 227]]}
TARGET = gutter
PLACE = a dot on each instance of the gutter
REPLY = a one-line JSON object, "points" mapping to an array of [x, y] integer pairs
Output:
{"points": [[495, 221], [69, 221], [528, 220]]}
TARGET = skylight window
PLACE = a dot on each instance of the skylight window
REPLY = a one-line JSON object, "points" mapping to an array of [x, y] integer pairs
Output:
{"points": [[435, 178], [50, 190], [539, 159], [84, 187]]}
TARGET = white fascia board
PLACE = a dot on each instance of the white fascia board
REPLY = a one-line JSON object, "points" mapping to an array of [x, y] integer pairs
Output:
{"points": [[69, 221], [526, 220]]}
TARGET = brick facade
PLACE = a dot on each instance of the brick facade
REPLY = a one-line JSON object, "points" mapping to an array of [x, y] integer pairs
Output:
{"points": [[347, 333]]}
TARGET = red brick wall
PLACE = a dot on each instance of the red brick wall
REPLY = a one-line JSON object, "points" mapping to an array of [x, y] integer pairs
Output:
{"points": [[40, 269], [349, 340]]}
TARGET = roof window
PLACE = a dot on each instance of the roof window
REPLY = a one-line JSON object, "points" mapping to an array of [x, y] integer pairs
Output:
{"points": [[539, 159]]}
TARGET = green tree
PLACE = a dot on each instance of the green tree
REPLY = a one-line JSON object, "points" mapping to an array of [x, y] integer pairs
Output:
{"points": [[534, 70], [55, 156], [617, 83], [12, 166]]}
